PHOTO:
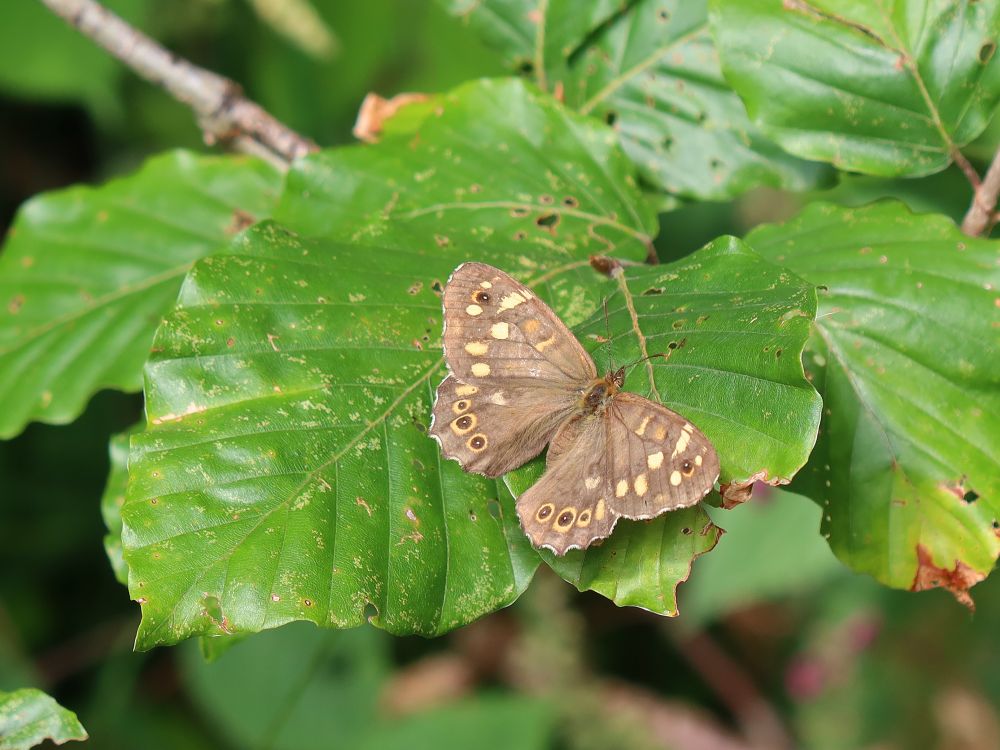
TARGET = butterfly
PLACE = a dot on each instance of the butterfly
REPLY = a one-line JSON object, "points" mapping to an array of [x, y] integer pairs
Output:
{"points": [[519, 380]]}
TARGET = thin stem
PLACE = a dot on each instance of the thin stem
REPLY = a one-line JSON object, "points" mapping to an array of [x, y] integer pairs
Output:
{"points": [[981, 216], [223, 113]]}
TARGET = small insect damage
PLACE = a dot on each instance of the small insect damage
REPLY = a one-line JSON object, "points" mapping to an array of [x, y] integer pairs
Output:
{"points": [[738, 492], [957, 580]]}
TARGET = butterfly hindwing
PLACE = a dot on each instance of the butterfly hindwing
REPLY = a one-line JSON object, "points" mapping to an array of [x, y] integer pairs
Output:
{"points": [[491, 430], [498, 332], [658, 460], [569, 507]]}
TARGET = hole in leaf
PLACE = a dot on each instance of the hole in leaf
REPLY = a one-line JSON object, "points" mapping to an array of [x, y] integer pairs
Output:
{"points": [[493, 506], [714, 163], [548, 221], [570, 201], [526, 68], [777, 352], [518, 212], [986, 51], [686, 531], [437, 287], [678, 324], [654, 290], [371, 611], [472, 515], [970, 496], [611, 117], [663, 16], [996, 524], [677, 344]]}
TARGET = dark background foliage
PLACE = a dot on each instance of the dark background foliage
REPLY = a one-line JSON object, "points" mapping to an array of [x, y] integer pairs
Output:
{"points": [[777, 639]]}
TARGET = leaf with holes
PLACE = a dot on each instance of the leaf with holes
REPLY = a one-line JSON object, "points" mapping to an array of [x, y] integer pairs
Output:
{"points": [[112, 500], [730, 327], [882, 88], [905, 354], [549, 181], [29, 717], [650, 69], [87, 273], [285, 472]]}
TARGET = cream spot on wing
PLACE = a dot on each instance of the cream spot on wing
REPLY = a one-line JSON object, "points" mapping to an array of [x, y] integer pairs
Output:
{"points": [[697, 460], [654, 460], [511, 301], [682, 442], [641, 429], [480, 369], [675, 478], [688, 427], [540, 346], [640, 485], [474, 310], [599, 513], [621, 488], [592, 482], [530, 326], [485, 285], [500, 330], [499, 399], [466, 390], [661, 432], [476, 348]]}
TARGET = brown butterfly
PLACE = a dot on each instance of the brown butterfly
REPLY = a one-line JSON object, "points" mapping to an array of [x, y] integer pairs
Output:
{"points": [[519, 379]]}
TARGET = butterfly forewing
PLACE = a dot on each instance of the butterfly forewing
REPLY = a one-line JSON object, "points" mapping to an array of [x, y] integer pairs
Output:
{"points": [[492, 430], [497, 331], [658, 460]]}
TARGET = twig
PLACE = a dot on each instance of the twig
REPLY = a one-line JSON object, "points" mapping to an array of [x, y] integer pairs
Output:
{"points": [[981, 214], [757, 719], [223, 113]]}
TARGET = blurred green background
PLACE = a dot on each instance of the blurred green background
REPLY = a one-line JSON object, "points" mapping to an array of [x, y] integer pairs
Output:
{"points": [[777, 643]]}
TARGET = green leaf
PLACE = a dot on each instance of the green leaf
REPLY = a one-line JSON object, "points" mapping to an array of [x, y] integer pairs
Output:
{"points": [[733, 327], [652, 70], [908, 462], [882, 88], [87, 273], [28, 717], [285, 472], [111, 503], [498, 165], [488, 722], [294, 688], [737, 575]]}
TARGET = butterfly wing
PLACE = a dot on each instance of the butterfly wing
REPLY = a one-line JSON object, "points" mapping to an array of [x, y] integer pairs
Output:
{"points": [[658, 460], [637, 459], [499, 333], [570, 506], [516, 372], [490, 429]]}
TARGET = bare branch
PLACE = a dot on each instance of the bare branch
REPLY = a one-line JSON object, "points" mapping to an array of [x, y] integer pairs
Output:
{"points": [[223, 113], [981, 216]]}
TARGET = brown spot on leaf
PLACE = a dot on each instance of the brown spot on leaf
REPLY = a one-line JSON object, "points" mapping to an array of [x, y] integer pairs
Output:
{"points": [[957, 580], [736, 492], [361, 501], [375, 110], [604, 265], [239, 220]]}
